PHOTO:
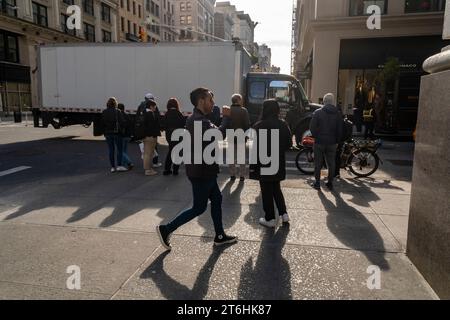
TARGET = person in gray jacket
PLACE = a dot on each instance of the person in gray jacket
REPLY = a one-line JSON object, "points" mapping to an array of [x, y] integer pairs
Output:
{"points": [[326, 128]]}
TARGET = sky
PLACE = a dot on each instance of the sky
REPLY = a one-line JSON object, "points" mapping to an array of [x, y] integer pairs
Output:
{"points": [[274, 28]]}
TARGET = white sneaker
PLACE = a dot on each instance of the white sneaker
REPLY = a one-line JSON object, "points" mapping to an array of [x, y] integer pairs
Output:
{"points": [[285, 218], [113, 170], [122, 169], [158, 165], [268, 224]]}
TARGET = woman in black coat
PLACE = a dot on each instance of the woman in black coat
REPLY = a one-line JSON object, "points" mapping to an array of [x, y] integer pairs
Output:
{"points": [[270, 184], [174, 119]]}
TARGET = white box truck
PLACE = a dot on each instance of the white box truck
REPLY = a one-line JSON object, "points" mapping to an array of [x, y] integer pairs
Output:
{"points": [[76, 80]]}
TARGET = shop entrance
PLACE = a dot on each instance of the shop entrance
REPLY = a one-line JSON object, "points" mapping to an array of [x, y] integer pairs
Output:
{"points": [[362, 83]]}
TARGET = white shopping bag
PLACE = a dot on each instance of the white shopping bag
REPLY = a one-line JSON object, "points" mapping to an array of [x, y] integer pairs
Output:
{"points": [[141, 147]]}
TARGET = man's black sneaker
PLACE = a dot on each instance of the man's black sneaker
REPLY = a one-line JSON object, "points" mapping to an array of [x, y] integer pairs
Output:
{"points": [[167, 173], [329, 186], [164, 237], [316, 186], [242, 179], [232, 178], [224, 239], [175, 173]]}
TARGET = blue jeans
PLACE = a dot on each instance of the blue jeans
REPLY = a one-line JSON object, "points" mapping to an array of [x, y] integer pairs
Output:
{"points": [[114, 142], [202, 190], [125, 157]]}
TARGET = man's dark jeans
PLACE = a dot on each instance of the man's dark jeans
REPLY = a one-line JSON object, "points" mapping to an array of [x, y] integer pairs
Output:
{"points": [[202, 190], [327, 153]]}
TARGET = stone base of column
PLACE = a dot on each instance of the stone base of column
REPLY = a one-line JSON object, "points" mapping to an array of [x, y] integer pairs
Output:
{"points": [[429, 224]]}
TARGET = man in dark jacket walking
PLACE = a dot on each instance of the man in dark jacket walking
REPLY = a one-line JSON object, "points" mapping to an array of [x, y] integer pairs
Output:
{"points": [[203, 177], [326, 128]]}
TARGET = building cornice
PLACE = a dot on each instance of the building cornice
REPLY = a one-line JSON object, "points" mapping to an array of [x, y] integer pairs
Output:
{"points": [[31, 26], [387, 21]]}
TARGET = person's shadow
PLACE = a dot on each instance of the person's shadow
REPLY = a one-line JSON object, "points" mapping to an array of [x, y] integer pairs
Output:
{"points": [[269, 278], [172, 289], [364, 237]]}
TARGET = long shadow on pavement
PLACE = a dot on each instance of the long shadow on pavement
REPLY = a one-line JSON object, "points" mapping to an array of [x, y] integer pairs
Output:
{"points": [[364, 237], [269, 277], [172, 289]]}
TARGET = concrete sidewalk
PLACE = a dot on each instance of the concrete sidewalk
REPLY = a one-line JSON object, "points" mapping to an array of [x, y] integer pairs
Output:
{"points": [[52, 218]]}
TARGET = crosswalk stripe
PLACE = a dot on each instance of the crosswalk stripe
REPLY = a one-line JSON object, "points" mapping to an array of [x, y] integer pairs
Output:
{"points": [[14, 170]]}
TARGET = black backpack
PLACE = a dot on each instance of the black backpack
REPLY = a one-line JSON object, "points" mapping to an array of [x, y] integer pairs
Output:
{"points": [[139, 124]]}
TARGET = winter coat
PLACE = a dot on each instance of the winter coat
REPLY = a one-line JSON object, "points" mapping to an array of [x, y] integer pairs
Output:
{"points": [[326, 125], [202, 170], [284, 143], [173, 120], [112, 121]]}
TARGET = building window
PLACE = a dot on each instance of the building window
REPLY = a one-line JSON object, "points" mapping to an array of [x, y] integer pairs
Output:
{"points": [[122, 24], [64, 27], [165, 4], [189, 19], [157, 10], [152, 8], [106, 13], [188, 6], [182, 19], [7, 7], [129, 26], [134, 7], [89, 32], [140, 11], [69, 2], [88, 6], [121, 3], [106, 36], [128, 5], [134, 29], [9, 48], [40, 14], [424, 5], [359, 7], [182, 6]]}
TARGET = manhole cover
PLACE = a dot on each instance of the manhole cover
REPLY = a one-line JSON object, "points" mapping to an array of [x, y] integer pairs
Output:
{"points": [[402, 163]]}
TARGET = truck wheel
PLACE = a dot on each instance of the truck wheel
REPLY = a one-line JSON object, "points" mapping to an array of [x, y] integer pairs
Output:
{"points": [[302, 132]]}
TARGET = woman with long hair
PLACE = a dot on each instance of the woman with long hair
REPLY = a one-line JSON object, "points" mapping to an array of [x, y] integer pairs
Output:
{"points": [[174, 119], [271, 184]]}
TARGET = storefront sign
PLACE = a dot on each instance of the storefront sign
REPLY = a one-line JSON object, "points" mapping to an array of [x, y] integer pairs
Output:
{"points": [[403, 66]]}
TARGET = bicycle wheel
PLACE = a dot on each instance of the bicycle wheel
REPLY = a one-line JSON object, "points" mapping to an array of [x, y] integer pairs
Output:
{"points": [[364, 163], [305, 161]]}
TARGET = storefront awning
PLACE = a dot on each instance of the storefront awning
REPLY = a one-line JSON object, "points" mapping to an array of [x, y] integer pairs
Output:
{"points": [[373, 53]]}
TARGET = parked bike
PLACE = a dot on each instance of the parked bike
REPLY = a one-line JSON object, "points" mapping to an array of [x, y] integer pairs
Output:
{"points": [[358, 156]]}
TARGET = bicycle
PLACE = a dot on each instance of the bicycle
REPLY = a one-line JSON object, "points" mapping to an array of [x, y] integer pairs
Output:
{"points": [[358, 156]]}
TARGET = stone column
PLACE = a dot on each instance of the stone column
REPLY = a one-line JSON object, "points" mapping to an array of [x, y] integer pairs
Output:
{"points": [[56, 15], [80, 32], [114, 26], [98, 21], [25, 10], [429, 223]]}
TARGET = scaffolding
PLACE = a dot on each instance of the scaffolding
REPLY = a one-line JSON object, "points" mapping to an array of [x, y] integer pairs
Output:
{"points": [[294, 36]]}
